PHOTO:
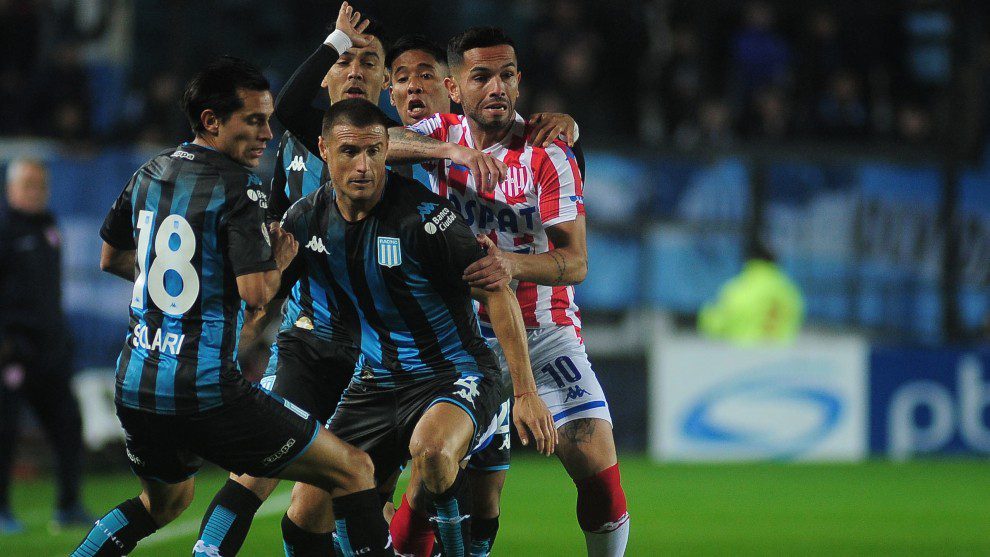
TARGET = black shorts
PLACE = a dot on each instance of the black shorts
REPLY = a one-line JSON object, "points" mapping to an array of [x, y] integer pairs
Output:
{"points": [[310, 371], [252, 433], [380, 420], [495, 455]]}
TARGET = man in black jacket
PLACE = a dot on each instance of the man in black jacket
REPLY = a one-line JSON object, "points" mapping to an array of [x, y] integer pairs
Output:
{"points": [[35, 344]]}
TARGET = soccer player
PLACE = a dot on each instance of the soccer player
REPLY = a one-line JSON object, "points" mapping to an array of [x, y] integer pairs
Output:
{"points": [[188, 230], [392, 255], [418, 68], [313, 356], [537, 217]]}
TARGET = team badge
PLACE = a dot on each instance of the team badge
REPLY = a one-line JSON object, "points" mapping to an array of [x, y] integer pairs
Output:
{"points": [[389, 252], [515, 182]]}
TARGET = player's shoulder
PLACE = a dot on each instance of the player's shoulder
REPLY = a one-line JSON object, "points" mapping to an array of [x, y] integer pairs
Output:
{"points": [[307, 204], [556, 157]]}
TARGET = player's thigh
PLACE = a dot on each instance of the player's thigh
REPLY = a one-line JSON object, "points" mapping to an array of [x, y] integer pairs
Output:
{"points": [[157, 446], [585, 447], [332, 465], [459, 417]]}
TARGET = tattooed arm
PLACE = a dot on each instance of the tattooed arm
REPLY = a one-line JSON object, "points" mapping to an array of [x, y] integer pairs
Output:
{"points": [[566, 264], [408, 147]]}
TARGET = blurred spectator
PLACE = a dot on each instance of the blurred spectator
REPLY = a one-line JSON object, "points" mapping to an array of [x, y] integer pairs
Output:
{"points": [[914, 124], [842, 110], [713, 129], [760, 304], [60, 97], [37, 354], [760, 56], [769, 116], [154, 116]]}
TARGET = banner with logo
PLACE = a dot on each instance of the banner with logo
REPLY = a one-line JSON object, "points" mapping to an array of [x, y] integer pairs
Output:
{"points": [[711, 401], [929, 401]]}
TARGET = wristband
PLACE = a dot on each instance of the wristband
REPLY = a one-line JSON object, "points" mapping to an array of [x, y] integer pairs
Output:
{"points": [[524, 394], [339, 41]]}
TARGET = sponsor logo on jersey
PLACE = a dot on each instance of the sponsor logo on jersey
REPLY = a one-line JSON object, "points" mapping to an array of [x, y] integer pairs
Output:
{"points": [[264, 234], [316, 244], [258, 197], [133, 457], [575, 392], [439, 222], [469, 388], [298, 164], [281, 452], [389, 252], [183, 155], [425, 208]]}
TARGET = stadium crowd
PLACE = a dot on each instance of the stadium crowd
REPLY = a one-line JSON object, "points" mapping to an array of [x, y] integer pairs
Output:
{"points": [[674, 74]]}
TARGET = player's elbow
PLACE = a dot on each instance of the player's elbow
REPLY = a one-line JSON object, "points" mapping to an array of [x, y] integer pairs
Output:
{"points": [[580, 271]]}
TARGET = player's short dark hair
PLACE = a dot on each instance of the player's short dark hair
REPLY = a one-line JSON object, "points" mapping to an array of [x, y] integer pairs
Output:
{"points": [[475, 37], [406, 43], [215, 88], [360, 113], [377, 30]]}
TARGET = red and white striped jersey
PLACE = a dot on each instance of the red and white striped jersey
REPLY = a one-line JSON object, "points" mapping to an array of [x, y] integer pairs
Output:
{"points": [[543, 189]]}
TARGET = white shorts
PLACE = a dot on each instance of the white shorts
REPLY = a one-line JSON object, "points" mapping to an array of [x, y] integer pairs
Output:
{"points": [[564, 378]]}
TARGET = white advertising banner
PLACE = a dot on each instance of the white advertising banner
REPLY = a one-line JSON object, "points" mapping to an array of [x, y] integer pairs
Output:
{"points": [[711, 401]]}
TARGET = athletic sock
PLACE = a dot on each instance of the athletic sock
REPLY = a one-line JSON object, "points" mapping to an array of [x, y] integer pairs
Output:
{"points": [[412, 531], [361, 528], [118, 532], [602, 513], [450, 521], [227, 520], [300, 543], [483, 532]]}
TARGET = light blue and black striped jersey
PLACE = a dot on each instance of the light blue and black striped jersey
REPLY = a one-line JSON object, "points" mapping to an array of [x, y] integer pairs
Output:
{"points": [[298, 172], [196, 220], [395, 281]]}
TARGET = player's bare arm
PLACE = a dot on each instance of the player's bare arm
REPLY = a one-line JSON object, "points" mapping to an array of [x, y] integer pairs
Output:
{"points": [[257, 289], [566, 264], [530, 414], [547, 126], [408, 147], [117, 261]]}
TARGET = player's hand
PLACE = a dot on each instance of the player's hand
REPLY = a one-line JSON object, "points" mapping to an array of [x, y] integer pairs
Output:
{"points": [[491, 272], [284, 245], [486, 169], [547, 126], [533, 421], [349, 22]]}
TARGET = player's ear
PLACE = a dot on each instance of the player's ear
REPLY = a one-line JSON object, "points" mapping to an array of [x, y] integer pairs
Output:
{"points": [[323, 148], [452, 90], [210, 121], [326, 81], [391, 99]]}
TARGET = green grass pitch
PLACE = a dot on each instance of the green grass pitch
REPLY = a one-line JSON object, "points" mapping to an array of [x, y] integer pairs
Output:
{"points": [[877, 508]]}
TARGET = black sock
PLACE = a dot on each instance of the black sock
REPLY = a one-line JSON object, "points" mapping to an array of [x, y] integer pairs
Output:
{"points": [[300, 543], [227, 520], [361, 528], [483, 532], [118, 532], [450, 519]]}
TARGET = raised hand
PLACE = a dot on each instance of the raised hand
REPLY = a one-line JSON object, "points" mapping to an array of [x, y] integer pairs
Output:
{"points": [[350, 23], [547, 126]]}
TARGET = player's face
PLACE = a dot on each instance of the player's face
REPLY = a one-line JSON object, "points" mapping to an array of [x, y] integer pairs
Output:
{"points": [[28, 191], [359, 73], [244, 135], [356, 159], [417, 89], [486, 84]]}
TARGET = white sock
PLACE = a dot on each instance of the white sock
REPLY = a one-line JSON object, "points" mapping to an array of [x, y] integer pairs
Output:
{"points": [[610, 540]]}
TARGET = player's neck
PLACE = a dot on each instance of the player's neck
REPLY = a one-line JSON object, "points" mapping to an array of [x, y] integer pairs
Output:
{"points": [[485, 138], [204, 141], [354, 210]]}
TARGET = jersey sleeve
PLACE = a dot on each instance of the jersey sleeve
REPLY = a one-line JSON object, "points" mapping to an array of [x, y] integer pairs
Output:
{"points": [[118, 228], [249, 246], [448, 245], [278, 200], [435, 126], [561, 191]]}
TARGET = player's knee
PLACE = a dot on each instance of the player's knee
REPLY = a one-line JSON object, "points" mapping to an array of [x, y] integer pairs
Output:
{"points": [[432, 454]]}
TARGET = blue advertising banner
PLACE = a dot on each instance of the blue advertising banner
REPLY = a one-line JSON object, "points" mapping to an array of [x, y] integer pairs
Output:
{"points": [[925, 401]]}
